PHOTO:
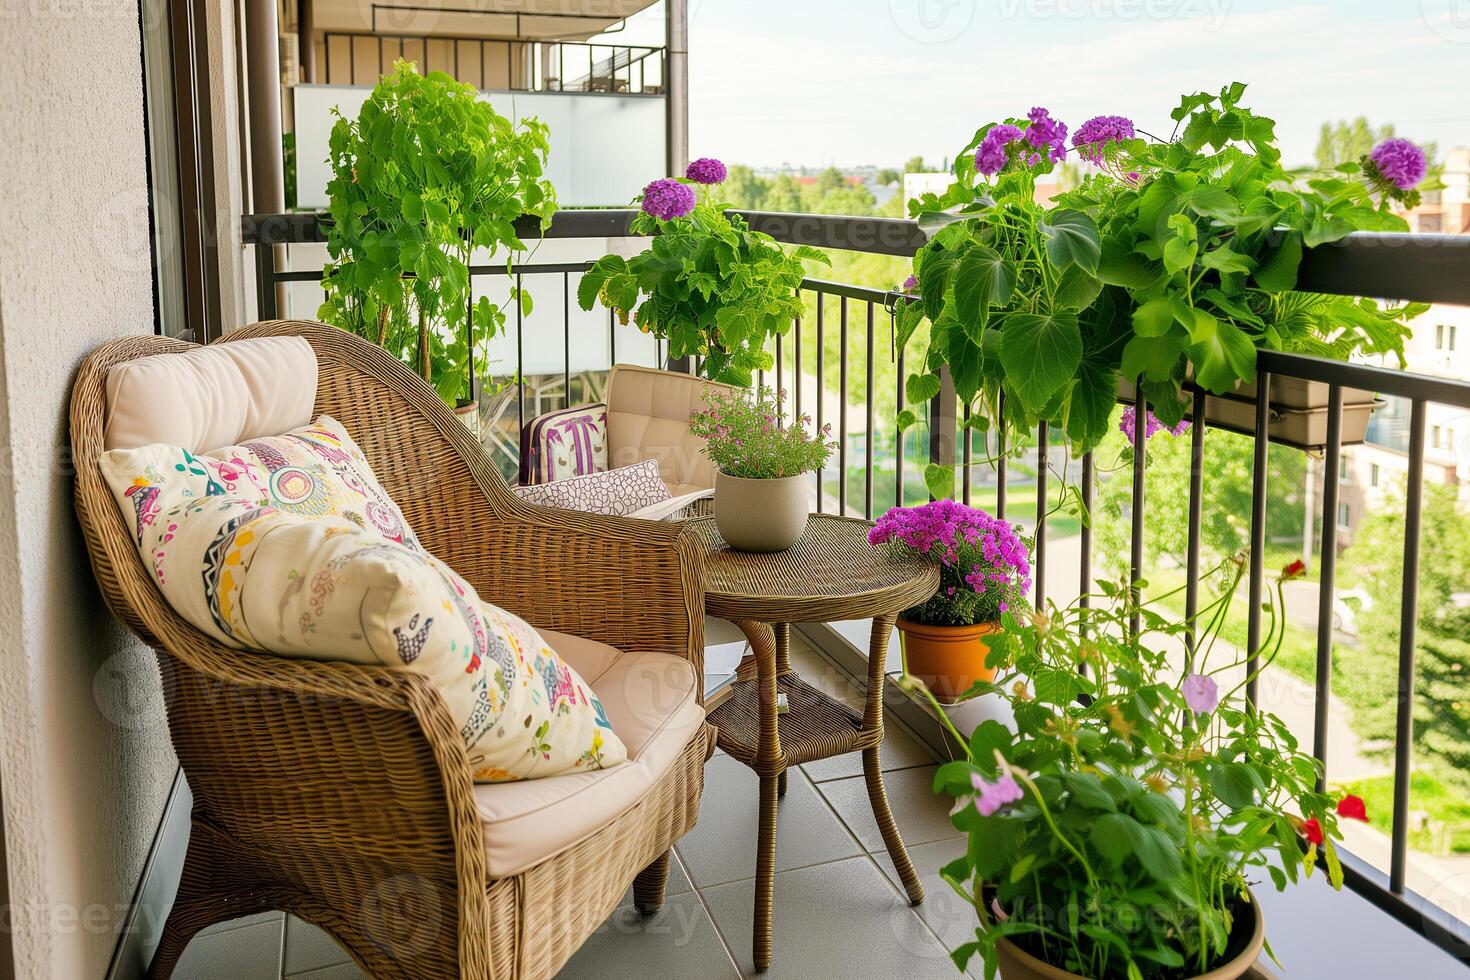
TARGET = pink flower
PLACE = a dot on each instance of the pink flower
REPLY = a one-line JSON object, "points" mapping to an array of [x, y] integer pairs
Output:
{"points": [[1201, 693], [989, 798]]}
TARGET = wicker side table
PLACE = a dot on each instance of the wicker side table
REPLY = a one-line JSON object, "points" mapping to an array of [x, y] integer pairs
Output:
{"points": [[831, 574]]}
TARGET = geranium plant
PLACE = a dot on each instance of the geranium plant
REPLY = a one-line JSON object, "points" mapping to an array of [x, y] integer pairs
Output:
{"points": [[1114, 832], [1174, 258], [984, 562], [426, 174], [711, 287], [745, 435]]}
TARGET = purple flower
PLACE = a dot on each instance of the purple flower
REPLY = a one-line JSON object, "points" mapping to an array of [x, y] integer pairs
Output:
{"points": [[1047, 135], [910, 284], [989, 798], [667, 199], [706, 170], [1152, 425], [1092, 137], [990, 158], [939, 528], [1201, 693], [1400, 162]]}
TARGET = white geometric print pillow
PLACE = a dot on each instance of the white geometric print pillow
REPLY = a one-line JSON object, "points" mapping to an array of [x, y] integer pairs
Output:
{"points": [[258, 577]]}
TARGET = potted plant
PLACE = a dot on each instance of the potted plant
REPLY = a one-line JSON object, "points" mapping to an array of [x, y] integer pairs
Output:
{"points": [[985, 571], [425, 175], [761, 499], [1173, 261], [1116, 832], [707, 284]]}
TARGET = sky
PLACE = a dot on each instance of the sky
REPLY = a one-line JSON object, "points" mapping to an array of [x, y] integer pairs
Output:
{"points": [[851, 82]]}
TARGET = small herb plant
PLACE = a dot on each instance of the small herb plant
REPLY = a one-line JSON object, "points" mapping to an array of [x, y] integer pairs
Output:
{"points": [[426, 174], [1114, 832], [984, 562], [711, 287], [1175, 258], [745, 437]]}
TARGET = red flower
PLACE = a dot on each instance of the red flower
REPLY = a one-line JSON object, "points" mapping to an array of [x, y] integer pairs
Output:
{"points": [[1296, 569], [1313, 831], [1353, 808]]}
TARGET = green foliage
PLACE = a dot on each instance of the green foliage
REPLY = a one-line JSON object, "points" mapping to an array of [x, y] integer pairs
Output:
{"points": [[1180, 258], [1133, 823], [288, 167], [745, 437], [426, 174], [708, 285]]}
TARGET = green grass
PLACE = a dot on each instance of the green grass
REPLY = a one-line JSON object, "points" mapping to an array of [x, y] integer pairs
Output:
{"points": [[1448, 828]]}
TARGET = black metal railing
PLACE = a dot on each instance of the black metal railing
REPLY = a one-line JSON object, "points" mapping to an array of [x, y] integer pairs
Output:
{"points": [[1430, 268], [497, 64]]}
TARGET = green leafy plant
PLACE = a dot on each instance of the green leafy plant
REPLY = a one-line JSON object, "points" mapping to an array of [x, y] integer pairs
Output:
{"points": [[1175, 259], [709, 285], [745, 436], [1114, 832], [427, 174]]}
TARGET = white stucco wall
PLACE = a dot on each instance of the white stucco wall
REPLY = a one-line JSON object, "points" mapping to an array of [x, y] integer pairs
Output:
{"points": [[85, 763]]}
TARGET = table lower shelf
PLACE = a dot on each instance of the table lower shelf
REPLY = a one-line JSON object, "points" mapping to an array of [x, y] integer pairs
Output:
{"points": [[816, 726]]}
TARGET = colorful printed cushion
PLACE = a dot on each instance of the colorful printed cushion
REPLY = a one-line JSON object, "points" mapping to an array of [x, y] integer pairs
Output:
{"points": [[314, 471], [257, 576], [564, 444], [616, 493]]}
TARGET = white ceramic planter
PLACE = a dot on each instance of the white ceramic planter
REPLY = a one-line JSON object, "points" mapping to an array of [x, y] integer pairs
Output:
{"points": [[761, 515]]}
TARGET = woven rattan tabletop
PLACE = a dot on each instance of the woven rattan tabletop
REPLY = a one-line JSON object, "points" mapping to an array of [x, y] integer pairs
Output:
{"points": [[832, 573]]}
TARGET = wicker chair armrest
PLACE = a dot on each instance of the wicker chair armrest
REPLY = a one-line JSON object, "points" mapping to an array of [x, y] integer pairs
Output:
{"points": [[632, 584]]}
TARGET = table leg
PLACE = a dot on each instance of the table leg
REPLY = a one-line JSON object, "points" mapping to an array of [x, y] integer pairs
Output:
{"points": [[770, 766], [873, 765]]}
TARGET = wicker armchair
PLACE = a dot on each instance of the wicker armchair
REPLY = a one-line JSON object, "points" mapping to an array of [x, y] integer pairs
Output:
{"points": [[342, 793]]}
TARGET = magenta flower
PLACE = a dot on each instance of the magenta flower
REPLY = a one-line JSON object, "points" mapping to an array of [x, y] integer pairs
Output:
{"points": [[706, 170], [1047, 135], [910, 284], [1400, 162], [1201, 693], [1094, 136], [1152, 425], [989, 798], [991, 157], [667, 199]]}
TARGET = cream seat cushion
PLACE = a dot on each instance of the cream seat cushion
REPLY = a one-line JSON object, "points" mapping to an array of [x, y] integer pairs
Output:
{"points": [[652, 700], [648, 418]]}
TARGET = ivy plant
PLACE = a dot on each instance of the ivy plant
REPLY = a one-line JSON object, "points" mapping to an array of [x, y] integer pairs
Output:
{"points": [[1114, 829], [1175, 259], [424, 176], [713, 288]]}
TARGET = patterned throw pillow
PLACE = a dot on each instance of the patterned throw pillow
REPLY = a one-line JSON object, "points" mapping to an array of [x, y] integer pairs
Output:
{"points": [[615, 493], [561, 445], [257, 576], [314, 471]]}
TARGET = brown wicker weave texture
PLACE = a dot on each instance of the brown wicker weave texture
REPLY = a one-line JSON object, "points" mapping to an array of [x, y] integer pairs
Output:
{"points": [[831, 574], [342, 793]]}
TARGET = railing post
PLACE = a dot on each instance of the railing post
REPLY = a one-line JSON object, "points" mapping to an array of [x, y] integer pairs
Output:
{"points": [[943, 422]]}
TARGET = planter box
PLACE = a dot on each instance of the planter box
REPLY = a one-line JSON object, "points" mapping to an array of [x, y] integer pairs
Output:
{"points": [[1296, 416]]}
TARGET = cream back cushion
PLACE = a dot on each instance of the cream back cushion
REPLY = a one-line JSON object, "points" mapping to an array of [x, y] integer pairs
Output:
{"points": [[211, 396], [648, 418]]}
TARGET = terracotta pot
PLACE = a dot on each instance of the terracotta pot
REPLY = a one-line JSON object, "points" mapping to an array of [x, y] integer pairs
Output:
{"points": [[1017, 964], [948, 659], [761, 515]]}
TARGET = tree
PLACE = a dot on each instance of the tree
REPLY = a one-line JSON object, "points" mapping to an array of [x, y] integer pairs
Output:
{"points": [[916, 165], [743, 189], [1442, 696], [1225, 504], [784, 195], [888, 176], [829, 180]]}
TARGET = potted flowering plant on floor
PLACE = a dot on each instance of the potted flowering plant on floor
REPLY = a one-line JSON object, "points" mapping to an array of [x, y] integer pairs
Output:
{"points": [[985, 571], [1116, 832], [761, 493], [1174, 261], [711, 287]]}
